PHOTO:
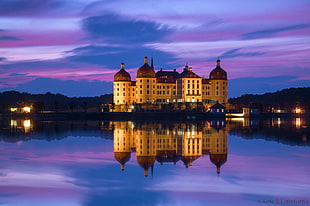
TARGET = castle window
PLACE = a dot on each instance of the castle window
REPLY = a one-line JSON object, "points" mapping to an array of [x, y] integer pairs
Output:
{"points": [[217, 88], [123, 89], [147, 86], [167, 87], [188, 81], [147, 81], [193, 81], [140, 80], [188, 86], [117, 94], [123, 94], [147, 92], [140, 91], [140, 86]]}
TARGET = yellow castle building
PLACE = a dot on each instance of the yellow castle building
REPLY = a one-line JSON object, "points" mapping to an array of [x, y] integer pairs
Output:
{"points": [[174, 142], [154, 89]]}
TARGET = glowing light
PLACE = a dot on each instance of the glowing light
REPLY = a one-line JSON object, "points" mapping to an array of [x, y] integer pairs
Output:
{"points": [[13, 123], [27, 109], [298, 123], [13, 109], [298, 110], [27, 125]]}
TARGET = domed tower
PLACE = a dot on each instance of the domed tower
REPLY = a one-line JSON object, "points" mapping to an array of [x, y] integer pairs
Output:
{"points": [[218, 148], [123, 140], [219, 84], [145, 83], [122, 93], [146, 144]]}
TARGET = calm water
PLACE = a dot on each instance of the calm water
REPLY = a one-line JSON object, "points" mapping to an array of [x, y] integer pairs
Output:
{"points": [[233, 162]]}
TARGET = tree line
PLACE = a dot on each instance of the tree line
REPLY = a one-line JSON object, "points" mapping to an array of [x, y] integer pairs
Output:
{"points": [[286, 99], [48, 101]]}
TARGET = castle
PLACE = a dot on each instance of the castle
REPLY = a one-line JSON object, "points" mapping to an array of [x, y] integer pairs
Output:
{"points": [[170, 143], [152, 90]]}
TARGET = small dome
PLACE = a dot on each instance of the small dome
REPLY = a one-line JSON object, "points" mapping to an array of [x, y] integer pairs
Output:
{"points": [[122, 75], [218, 72], [146, 162], [218, 160], [122, 158], [146, 70]]}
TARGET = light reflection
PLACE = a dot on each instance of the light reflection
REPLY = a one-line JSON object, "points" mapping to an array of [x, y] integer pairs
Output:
{"points": [[184, 142], [297, 122], [27, 125]]}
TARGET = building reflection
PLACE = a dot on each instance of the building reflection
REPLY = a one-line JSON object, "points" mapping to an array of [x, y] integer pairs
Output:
{"points": [[21, 125], [170, 143]]}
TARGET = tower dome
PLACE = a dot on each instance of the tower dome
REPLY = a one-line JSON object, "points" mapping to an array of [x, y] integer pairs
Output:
{"points": [[122, 158], [218, 160], [146, 162], [122, 75], [146, 70], [218, 72]]}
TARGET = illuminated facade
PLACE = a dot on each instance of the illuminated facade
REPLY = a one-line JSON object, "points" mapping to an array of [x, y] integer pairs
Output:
{"points": [[164, 87], [157, 142]]}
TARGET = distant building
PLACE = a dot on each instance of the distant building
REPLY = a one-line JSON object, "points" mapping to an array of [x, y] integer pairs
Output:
{"points": [[164, 87]]}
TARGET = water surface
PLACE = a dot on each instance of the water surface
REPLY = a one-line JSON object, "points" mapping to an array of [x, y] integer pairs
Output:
{"points": [[233, 162]]}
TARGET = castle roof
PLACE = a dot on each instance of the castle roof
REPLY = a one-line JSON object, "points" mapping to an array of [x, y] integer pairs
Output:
{"points": [[218, 73], [145, 70], [122, 75]]}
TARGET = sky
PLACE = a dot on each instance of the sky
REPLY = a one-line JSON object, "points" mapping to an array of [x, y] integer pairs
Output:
{"points": [[74, 47]]}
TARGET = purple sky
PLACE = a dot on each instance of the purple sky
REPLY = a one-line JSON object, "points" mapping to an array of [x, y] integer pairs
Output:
{"points": [[62, 45]]}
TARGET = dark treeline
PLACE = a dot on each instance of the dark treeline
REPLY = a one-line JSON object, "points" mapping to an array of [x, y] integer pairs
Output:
{"points": [[286, 99], [49, 101]]}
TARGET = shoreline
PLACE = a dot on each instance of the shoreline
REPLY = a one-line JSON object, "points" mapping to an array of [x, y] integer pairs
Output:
{"points": [[123, 116]]}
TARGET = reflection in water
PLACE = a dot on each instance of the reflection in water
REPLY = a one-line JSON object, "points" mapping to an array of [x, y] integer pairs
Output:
{"points": [[163, 143], [20, 125]]}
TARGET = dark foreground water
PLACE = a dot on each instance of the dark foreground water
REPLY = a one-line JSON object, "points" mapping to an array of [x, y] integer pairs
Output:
{"points": [[233, 162]]}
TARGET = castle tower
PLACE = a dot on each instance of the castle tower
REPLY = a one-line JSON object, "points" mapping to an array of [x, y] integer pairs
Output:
{"points": [[122, 87], [145, 83], [123, 142], [145, 148], [219, 84], [218, 148]]}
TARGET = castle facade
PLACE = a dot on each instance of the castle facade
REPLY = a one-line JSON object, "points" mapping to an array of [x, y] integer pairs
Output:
{"points": [[168, 87]]}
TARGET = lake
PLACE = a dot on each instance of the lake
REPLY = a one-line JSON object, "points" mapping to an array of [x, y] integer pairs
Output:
{"points": [[212, 162]]}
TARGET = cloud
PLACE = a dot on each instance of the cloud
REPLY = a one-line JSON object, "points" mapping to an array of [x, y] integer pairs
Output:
{"points": [[10, 38], [117, 29], [2, 59], [236, 53], [271, 32], [113, 56], [38, 7]]}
